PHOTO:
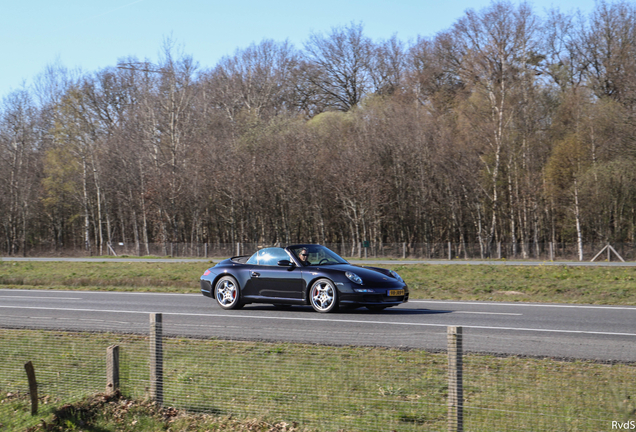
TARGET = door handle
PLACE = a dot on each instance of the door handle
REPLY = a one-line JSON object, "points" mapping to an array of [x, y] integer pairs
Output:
{"points": [[254, 274]]}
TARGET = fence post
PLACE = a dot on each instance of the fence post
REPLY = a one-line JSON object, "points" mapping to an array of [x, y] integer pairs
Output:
{"points": [[455, 381], [33, 386], [156, 358], [450, 251], [403, 250], [112, 369]]}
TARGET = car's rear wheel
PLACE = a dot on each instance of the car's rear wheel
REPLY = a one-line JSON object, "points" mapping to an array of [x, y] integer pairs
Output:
{"points": [[323, 296], [227, 293]]}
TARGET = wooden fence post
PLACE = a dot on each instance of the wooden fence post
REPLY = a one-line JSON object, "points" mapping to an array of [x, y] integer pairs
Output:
{"points": [[156, 358], [33, 386], [455, 380], [112, 369]]}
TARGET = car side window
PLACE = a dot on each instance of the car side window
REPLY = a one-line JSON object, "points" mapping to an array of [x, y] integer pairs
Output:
{"points": [[268, 257]]}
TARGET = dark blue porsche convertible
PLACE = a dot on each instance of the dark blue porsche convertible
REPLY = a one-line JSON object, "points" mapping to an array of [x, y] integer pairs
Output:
{"points": [[300, 275]]}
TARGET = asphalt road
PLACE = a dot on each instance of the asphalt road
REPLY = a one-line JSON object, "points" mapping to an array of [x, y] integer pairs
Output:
{"points": [[604, 333]]}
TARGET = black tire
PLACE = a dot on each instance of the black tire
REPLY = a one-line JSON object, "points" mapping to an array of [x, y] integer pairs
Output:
{"points": [[323, 296], [228, 293]]}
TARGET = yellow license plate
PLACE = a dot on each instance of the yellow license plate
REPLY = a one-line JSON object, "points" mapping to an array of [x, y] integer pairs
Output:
{"points": [[396, 293]]}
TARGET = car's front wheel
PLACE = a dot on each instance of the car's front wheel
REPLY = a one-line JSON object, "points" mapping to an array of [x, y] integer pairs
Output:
{"points": [[323, 296], [227, 293]]}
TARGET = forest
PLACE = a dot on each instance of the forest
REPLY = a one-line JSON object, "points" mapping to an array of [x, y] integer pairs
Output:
{"points": [[510, 126]]}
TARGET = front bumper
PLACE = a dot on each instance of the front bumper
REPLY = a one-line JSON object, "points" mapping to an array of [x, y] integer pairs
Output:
{"points": [[379, 297]]}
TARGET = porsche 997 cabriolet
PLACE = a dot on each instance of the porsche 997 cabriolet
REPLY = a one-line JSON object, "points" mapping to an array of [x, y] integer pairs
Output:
{"points": [[304, 274]]}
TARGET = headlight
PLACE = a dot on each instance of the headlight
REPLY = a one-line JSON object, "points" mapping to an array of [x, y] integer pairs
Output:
{"points": [[354, 277], [395, 275]]}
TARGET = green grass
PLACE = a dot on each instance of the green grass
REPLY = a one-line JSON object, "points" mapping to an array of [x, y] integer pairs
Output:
{"points": [[557, 284], [226, 385], [550, 284], [114, 276]]}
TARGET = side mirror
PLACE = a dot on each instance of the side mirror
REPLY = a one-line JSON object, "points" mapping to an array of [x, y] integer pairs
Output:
{"points": [[285, 263]]}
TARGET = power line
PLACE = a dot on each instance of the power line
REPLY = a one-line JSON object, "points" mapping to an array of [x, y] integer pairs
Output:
{"points": [[141, 66]]}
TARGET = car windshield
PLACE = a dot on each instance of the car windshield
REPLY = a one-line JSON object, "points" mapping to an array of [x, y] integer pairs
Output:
{"points": [[318, 255]]}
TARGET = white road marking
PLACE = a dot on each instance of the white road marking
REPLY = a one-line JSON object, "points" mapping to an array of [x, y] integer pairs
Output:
{"points": [[486, 313], [97, 292], [330, 320], [45, 298], [476, 303]]}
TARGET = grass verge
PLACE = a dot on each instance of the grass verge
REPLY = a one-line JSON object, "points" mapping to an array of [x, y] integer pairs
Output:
{"points": [[225, 385], [550, 284]]}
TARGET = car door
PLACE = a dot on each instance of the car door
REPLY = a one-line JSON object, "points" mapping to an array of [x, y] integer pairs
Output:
{"points": [[271, 281], [277, 282]]}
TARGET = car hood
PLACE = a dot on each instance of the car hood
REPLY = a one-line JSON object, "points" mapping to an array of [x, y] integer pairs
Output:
{"points": [[369, 275]]}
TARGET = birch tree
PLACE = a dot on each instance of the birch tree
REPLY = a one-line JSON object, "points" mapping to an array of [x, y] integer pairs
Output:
{"points": [[487, 50], [19, 170]]}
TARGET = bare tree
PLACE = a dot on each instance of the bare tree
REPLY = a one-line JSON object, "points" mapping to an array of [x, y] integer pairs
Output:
{"points": [[609, 48], [562, 46], [258, 79], [387, 66], [432, 80], [338, 65]]}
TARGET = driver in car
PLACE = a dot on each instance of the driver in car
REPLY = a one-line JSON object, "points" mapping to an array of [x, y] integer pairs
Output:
{"points": [[303, 255]]}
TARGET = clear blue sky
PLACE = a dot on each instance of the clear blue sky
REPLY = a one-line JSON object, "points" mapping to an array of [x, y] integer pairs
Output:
{"points": [[91, 34]]}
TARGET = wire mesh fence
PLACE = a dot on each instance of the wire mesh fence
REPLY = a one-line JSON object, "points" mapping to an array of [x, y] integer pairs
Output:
{"points": [[316, 387], [546, 394], [440, 250]]}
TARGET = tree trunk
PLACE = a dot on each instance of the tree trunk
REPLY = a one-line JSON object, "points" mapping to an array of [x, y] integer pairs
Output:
{"points": [[87, 239], [577, 213]]}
